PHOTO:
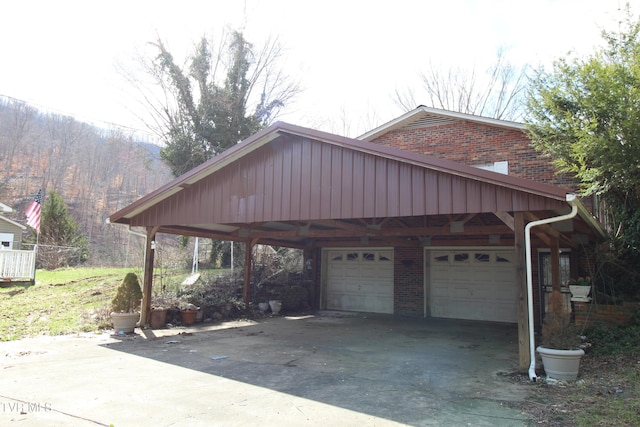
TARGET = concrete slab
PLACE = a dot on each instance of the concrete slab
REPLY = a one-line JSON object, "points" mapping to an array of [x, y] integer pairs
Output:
{"points": [[318, 369]]}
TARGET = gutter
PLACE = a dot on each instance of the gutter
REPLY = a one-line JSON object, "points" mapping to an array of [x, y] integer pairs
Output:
{"points": [[573, 201]]}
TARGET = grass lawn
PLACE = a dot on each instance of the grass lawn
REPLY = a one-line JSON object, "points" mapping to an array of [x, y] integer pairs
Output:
{"points": [[62, 301]]}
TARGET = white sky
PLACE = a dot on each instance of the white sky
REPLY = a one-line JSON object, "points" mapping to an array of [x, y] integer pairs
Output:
{"points": [[348, 55]]}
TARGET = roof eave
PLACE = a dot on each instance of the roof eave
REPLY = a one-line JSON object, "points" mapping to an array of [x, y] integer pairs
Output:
{"points": [[381, 130]]}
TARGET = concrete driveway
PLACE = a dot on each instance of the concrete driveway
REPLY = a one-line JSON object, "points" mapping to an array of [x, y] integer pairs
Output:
{"points": [[320, 369]]}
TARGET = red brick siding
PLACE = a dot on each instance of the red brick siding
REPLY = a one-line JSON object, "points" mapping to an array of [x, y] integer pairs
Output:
{"points": [[408, 293], [597, 314], [475, 143]]}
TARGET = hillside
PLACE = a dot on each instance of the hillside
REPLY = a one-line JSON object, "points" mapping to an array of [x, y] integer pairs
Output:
{"points": [[96, 172]]}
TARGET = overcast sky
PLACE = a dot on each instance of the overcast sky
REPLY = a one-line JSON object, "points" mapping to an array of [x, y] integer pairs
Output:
{"points": [[348, 55]]}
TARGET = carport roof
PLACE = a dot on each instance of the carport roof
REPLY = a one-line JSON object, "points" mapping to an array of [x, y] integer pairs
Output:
{"points": [[288, 176]]}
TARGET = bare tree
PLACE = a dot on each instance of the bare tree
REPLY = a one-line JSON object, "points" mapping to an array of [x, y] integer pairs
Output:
{"points": [[496, 93], [224, 93]]}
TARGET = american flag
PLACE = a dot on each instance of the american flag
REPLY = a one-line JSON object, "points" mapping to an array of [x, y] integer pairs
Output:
{"points": [[33, 212]]}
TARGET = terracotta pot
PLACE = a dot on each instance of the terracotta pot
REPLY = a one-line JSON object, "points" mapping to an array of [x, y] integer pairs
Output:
{"points": [[188, 316], [158, 318]]}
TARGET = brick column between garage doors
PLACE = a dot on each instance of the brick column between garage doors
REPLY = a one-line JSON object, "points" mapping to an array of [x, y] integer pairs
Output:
{"points": [[408, 289]]}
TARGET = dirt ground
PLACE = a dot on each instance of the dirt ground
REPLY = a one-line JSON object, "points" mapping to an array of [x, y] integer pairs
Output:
{"points": [[607, 393]]}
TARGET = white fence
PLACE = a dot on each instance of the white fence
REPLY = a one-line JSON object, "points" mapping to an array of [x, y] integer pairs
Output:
{"points": [[17, 265]]}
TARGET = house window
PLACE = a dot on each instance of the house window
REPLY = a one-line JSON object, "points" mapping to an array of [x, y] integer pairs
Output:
{"points": [[6, 240], [545, 269], [442, 258], [461, 257], [352, 256], [368, 256], [482, 257], [499, 167]]}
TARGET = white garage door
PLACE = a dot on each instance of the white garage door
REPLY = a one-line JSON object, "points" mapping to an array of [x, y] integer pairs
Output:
{"points": [[473, 284], [360, 280]]}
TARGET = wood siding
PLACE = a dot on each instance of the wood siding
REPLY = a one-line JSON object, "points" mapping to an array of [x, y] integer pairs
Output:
{"points": [[295, 178]]}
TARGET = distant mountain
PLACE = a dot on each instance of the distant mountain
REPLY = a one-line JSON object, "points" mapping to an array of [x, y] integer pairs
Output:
{"points": [[96, 171]]}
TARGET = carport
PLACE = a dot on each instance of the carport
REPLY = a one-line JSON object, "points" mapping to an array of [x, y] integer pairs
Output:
{"points": [[382, 230]]}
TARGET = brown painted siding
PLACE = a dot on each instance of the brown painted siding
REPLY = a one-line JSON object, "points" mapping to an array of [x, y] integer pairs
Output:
{"points": [[472, 143], [295, 178]]}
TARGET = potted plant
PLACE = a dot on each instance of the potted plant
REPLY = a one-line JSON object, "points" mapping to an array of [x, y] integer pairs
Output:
{"points": [[123, 306], [560, 350], [188, 314], [160, 304], [580, 289]]}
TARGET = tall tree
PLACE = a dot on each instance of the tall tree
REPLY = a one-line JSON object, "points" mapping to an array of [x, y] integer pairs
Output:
{"points": [[498, 92], [61, 241], [201, 113], [585, 114]]}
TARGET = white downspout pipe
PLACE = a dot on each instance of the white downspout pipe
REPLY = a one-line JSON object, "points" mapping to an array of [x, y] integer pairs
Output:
{"points": [[527, 238]]}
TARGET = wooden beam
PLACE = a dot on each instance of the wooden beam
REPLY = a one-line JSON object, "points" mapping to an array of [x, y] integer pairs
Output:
{"points": [[147, 278], [521, 283], [506, 218], [387, 232], [246, 290]]}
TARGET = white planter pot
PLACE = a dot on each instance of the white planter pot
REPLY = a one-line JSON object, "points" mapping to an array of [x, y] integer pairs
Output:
{"points": [[276, 306], [125, 322], [561, 364], [580, 293]]}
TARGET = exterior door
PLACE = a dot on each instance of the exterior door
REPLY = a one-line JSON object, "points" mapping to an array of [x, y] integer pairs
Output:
{"points": [[474, 284], [360, 280]]}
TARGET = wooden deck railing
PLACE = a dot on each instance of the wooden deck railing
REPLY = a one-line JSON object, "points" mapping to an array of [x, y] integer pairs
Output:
{"points": [[17, 265]]}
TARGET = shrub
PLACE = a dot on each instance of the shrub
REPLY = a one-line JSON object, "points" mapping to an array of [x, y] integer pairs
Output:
{"points": [[612, 340], [128, 295], [557, 330]]}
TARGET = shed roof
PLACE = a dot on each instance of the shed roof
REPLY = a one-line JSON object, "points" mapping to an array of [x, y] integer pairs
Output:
{"points": [[288, 173]]}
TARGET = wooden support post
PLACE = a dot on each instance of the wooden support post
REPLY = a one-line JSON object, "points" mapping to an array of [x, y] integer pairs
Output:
{"points": [[147, 279], [521, 283], [246, 291]]}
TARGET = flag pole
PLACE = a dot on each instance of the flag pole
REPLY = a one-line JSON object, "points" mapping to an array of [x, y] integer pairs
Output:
{"points": [[33, 215]]}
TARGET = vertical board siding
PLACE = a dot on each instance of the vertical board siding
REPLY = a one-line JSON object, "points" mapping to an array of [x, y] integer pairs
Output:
{"points": [[380, 191], [405, 191], [295, 178], [346, 183], [357, 188], [393, 189], [336, 181], [296, 172], [305, 180]]}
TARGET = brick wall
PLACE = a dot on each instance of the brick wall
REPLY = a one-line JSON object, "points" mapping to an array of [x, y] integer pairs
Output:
{"points": [[475, 143], [598, 314], [408, 299]]}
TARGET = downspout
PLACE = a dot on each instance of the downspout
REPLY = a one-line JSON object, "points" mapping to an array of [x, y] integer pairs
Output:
{"points": [[570, 198]]}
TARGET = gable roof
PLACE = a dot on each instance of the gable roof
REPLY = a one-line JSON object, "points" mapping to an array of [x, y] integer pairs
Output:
{"points": [[424, 116], [289, 177], [7, 220], [4, 208]]}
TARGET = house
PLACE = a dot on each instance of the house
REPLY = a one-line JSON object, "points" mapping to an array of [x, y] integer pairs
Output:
{"points": [[10, 234], [386, 222], [16, 265]]}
